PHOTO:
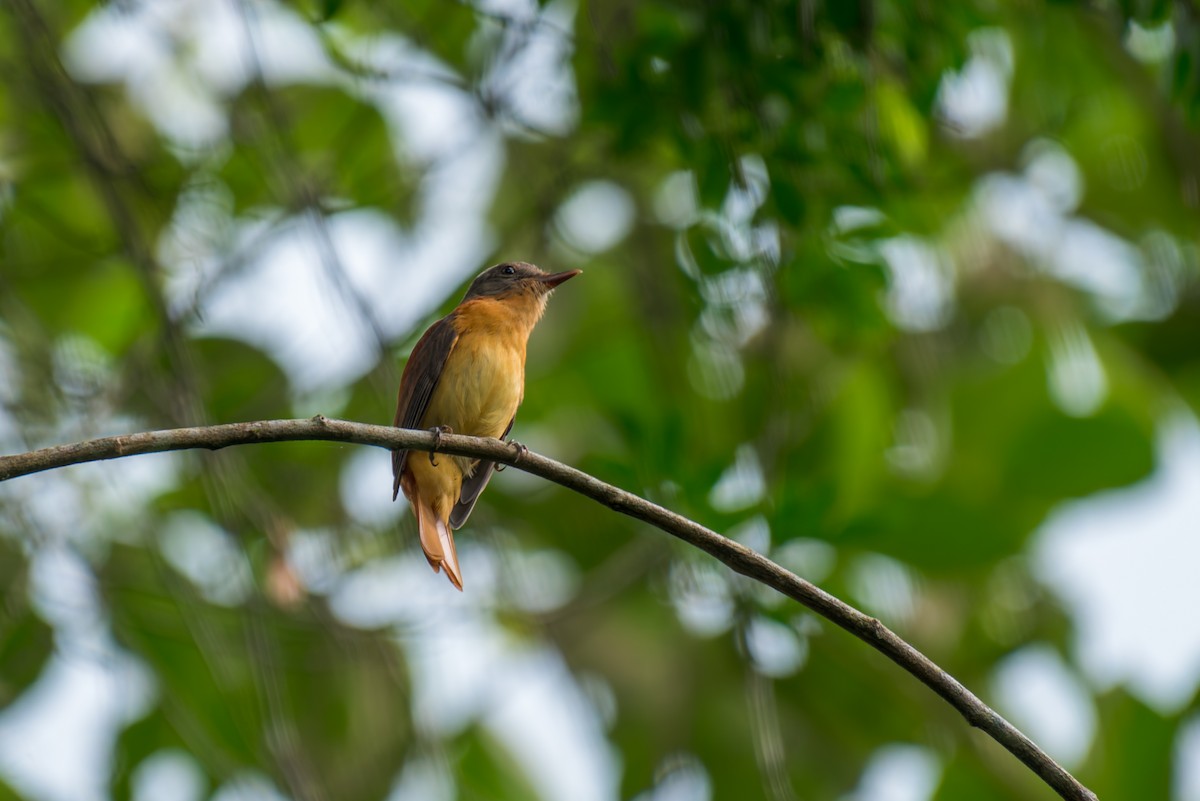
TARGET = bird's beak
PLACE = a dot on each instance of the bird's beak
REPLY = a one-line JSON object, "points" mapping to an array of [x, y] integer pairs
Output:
{"points": [[554, 279]]}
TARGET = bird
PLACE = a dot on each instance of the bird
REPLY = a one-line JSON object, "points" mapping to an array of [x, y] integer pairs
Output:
{"points": [[466, 375]]}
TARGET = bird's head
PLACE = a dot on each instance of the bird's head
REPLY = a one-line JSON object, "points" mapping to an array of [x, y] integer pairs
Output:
{"points": [[516, 280]]}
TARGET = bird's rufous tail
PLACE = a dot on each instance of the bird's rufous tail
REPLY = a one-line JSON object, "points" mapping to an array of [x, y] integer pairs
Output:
{"points": [[437, 542]]}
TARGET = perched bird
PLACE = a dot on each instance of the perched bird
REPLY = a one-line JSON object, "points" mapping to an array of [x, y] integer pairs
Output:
{"points": [[466, 375]]}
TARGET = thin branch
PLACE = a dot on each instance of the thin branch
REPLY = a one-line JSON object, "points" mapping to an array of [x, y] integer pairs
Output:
{"points": [[736, 556]]}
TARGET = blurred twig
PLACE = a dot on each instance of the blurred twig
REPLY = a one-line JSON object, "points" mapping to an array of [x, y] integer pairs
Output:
{"points": [[764, 721], [768, 737], [110, 171], [302, 190], [106, 165], [736, 556]]}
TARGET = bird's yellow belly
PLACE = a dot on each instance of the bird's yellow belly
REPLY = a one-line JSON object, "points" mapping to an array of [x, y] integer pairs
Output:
{"points": [[480, 388]]}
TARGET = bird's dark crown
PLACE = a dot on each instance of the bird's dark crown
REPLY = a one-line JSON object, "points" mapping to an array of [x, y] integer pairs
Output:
{"points": [[517, 279], [505, 279]]}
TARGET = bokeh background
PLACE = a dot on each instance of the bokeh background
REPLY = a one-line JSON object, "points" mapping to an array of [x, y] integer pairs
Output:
{"points": [[904, 294]]}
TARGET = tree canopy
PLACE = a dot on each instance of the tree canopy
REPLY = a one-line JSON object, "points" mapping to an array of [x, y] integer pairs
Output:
{"points": [[877, 288]]}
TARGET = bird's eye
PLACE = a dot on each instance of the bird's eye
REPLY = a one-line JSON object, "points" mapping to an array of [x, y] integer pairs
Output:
{"points": [[508, 269]]}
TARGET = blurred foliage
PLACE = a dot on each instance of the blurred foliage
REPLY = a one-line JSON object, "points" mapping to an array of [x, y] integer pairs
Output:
{"points": [[237, 685], [25, 640], [898, 278]]}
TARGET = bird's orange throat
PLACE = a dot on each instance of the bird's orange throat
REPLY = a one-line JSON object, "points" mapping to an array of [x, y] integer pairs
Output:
{"points": [[511, 316]]}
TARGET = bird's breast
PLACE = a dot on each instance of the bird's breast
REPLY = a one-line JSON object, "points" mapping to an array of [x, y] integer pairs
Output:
{"points": [[483, 381]]}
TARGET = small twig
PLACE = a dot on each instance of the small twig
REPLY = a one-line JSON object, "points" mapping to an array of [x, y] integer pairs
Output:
{"points": [[735, 555]]}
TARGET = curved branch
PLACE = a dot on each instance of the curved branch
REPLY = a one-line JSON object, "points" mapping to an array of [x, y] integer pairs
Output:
{"points": [[736, 556]]}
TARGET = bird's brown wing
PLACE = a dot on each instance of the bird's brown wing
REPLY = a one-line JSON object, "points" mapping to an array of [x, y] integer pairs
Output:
{"points": [[417, 383], [472, 487]]}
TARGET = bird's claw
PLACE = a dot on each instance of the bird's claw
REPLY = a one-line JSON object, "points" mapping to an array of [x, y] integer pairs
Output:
{"points": [[519, 452], [438, 431]]}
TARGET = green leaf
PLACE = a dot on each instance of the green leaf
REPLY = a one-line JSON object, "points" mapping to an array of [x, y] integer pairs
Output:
{"points": [[903, 126], [1059, 457], [487, 770], [861, 426], [109, 305], [7, 793], [1133, 752], [329, 9]]}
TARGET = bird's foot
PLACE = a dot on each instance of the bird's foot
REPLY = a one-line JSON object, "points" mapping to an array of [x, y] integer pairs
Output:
{"points": [[519, 452], [438, 431]]}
